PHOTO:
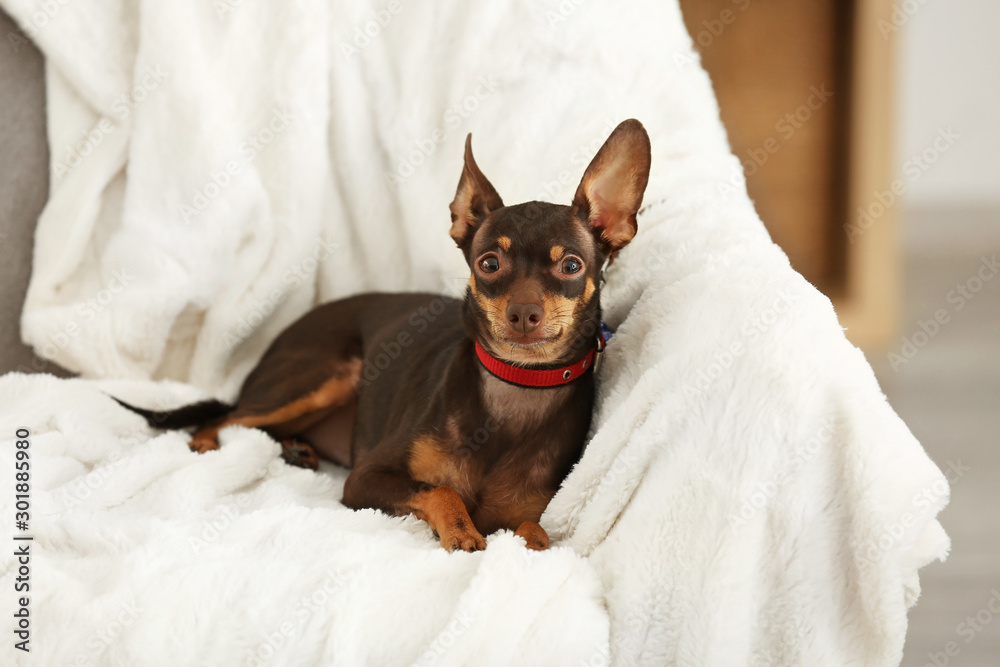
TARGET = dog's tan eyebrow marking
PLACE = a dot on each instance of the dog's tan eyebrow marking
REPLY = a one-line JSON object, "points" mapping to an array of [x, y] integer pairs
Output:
{"points": [[504, 242], [556, 252]]}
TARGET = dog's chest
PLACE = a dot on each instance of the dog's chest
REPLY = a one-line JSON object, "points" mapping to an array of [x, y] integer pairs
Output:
{"points": [[520, 409], [505, 455]]}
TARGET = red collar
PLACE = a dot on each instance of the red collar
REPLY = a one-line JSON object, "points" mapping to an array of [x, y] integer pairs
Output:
{"points": [[526, 377]]}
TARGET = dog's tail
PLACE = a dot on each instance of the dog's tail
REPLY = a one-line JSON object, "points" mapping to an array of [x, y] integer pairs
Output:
{"points": [[187, 415]]}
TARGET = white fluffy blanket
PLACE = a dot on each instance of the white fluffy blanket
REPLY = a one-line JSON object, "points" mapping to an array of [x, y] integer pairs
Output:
{"points": [[748, 496]]}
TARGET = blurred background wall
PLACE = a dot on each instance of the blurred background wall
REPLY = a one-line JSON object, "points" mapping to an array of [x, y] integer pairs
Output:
{"points": [[949, 75], [949, 56], [948, 392], [886, 195]]}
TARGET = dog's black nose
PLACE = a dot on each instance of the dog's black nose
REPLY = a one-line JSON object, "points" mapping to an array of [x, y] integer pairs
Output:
{"points": [[524, 317]]}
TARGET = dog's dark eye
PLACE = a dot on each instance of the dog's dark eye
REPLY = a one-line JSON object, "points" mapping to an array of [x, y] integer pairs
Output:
{"points": [[490, 264], [571, 265]]}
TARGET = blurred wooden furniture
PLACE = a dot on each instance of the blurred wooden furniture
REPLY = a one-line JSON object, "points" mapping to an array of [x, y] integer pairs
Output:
{"points": [[806, 93]]}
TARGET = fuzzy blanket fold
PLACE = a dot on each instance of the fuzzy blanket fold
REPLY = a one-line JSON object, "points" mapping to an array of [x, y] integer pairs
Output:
{"points": [[748, 496]]}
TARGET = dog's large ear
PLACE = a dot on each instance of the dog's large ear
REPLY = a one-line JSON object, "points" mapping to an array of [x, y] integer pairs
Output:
{"points": [[610, 193], [474, 200]]}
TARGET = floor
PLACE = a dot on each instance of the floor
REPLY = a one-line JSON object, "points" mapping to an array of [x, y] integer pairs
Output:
{"points": [[948, 391]]}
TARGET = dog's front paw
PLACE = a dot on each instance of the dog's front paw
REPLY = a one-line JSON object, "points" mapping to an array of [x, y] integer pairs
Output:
{"points": [[462, 535], [535, 537]]}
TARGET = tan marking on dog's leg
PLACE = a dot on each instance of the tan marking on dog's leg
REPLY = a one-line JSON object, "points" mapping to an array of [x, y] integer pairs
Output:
{"points": [[444, 510], [338, 389], [430, 463]]}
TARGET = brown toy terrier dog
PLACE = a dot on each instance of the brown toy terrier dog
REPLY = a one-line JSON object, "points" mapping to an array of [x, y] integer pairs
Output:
{"points": [[467, 414]]}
